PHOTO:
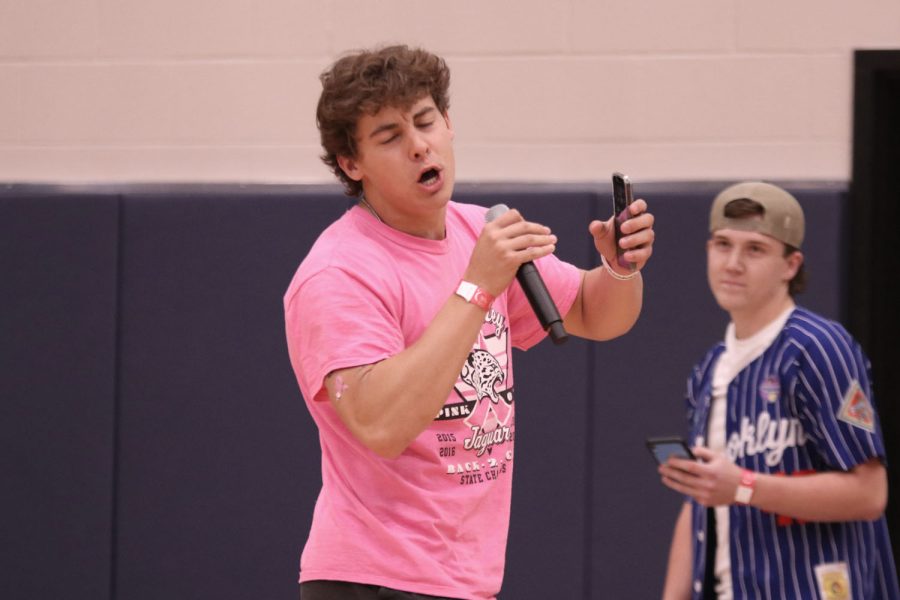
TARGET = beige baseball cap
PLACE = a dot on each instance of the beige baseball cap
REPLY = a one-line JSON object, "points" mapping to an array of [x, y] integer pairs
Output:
{"points": [[783, 217]]}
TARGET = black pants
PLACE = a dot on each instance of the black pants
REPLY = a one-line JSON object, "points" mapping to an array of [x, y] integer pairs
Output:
{"points": [[344, 590]]}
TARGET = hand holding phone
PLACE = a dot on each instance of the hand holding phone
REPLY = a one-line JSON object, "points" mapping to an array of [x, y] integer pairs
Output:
{"points": [[663, 447], [622, 198]]}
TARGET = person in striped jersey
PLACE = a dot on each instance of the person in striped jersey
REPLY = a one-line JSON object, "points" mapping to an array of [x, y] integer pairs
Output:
{"points": [[786, 498]]}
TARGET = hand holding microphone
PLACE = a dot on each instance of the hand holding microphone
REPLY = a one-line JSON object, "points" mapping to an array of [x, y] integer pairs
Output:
{"points": [[535, 290]]}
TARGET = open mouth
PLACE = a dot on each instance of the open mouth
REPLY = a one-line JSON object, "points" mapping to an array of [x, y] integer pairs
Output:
{"points": [[430, 176]]}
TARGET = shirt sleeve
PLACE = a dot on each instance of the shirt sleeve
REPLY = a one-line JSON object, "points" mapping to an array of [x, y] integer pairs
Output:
{"points": [[562, 280], [834, 400], [336, 321]]}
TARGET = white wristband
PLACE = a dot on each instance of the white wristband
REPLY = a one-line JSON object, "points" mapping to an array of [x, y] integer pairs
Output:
{"points": [[474, 295], [616, 275], [744, 491]]}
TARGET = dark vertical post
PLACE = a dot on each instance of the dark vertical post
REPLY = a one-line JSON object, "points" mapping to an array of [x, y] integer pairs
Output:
{"points": [[873, 295]]}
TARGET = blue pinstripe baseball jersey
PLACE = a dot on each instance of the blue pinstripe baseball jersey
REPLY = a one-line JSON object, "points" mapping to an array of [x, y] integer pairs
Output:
{"points": [[803, 406]]}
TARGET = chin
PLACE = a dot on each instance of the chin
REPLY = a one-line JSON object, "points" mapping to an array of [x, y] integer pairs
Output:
{"points": [[727, 302], [445, 194]]}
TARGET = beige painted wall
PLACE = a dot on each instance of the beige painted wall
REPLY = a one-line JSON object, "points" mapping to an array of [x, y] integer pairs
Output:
{"points": [[225, 90]]}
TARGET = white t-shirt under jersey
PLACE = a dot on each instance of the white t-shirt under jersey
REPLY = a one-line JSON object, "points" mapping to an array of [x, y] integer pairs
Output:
{"points": [[737, 355]]}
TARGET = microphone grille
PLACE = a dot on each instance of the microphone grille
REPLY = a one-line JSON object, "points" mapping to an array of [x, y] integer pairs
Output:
{"points": [[494, 212]]}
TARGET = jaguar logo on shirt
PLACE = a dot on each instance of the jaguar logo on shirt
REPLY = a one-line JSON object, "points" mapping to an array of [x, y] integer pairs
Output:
{"points": [[482, 374], [484, 391]]}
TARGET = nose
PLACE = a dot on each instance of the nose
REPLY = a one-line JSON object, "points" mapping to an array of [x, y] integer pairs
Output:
{"points": [[733, 261], [418, 146]]}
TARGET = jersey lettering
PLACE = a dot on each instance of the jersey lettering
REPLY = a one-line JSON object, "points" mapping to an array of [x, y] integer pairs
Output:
{"points": [[767, 435]]}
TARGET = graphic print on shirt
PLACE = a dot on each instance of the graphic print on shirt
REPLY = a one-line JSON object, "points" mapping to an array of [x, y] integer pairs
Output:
{"points": [[856, 409], [485, 402], [482, 372], [770, 389]]}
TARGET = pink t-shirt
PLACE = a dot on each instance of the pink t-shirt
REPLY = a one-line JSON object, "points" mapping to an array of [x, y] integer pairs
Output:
{"points": [[435, 519]]}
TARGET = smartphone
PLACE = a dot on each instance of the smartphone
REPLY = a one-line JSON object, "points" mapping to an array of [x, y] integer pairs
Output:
{"points": [[663, 447], [622, 197]]}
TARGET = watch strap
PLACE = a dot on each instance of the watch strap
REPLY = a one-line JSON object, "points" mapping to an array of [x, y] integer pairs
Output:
{"points": [[474, 295], [744, 491]]}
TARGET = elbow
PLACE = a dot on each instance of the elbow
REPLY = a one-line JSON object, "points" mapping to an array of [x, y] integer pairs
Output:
{"points": [[384, 434], [871, 514], [390, 452], [384, 444], [607, 327], [381, 436], [873, 500], [627, 321], [618, 330], [872, 495], [874, 507], [627, 326]]}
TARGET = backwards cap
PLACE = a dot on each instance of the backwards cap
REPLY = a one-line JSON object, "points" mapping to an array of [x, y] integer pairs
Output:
{"points": [[782, 219]]}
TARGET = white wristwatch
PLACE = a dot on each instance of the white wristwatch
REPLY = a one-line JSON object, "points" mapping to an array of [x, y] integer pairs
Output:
{"points": [[475, 295], [744, 491]]}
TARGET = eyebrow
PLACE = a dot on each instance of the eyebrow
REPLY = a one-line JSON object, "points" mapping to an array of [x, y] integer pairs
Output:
{"points": [[393, 125], [720, 236]]}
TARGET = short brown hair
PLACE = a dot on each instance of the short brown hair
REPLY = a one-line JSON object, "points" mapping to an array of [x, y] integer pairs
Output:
{"points": [[366, 81], [744, 208]]}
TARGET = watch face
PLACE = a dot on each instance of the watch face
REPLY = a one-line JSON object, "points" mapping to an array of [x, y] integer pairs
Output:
{"points": [[466, 290], [743, 494]]}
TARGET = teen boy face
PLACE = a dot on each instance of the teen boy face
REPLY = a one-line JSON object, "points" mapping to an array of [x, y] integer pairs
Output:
{"points": [[748, 272], [406, 165]]}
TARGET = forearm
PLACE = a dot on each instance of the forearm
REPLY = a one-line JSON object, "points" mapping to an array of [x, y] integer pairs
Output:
{"points": [[857, 495], [678, 573], [388, 404], [606, 307]]}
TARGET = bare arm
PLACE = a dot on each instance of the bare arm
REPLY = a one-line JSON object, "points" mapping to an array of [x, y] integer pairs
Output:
{"points": [[678, 573], [859, 494], [388, 404], [606, 307]]}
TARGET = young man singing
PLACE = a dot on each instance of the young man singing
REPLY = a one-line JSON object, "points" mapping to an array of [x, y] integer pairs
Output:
{"points": [[400, 327]]}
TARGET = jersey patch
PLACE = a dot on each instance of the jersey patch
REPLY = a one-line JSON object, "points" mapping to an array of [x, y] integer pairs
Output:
{"points": [[770, 389], [834, 581], [856, 409]]}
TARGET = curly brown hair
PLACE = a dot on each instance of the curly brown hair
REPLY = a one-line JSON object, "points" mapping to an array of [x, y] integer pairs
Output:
{"points": [[366, 81]]}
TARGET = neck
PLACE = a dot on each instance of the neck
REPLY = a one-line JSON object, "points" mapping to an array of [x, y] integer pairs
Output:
{"points": [[365, 204], [432, 228], [746, 325]]}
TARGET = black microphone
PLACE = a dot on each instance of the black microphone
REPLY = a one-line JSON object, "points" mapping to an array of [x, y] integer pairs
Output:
{"points": [[535, 290]]}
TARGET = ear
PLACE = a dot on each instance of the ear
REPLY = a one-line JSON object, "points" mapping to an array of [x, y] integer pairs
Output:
{"points": [[350, 167], [793, 260]]}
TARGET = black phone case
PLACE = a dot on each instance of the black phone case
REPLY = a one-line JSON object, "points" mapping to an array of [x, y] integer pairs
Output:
{"points": [[622, 197], [673, 444]]}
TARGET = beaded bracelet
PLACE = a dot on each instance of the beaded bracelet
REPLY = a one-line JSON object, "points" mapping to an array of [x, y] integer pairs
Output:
{"points": [[616, 275]]}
